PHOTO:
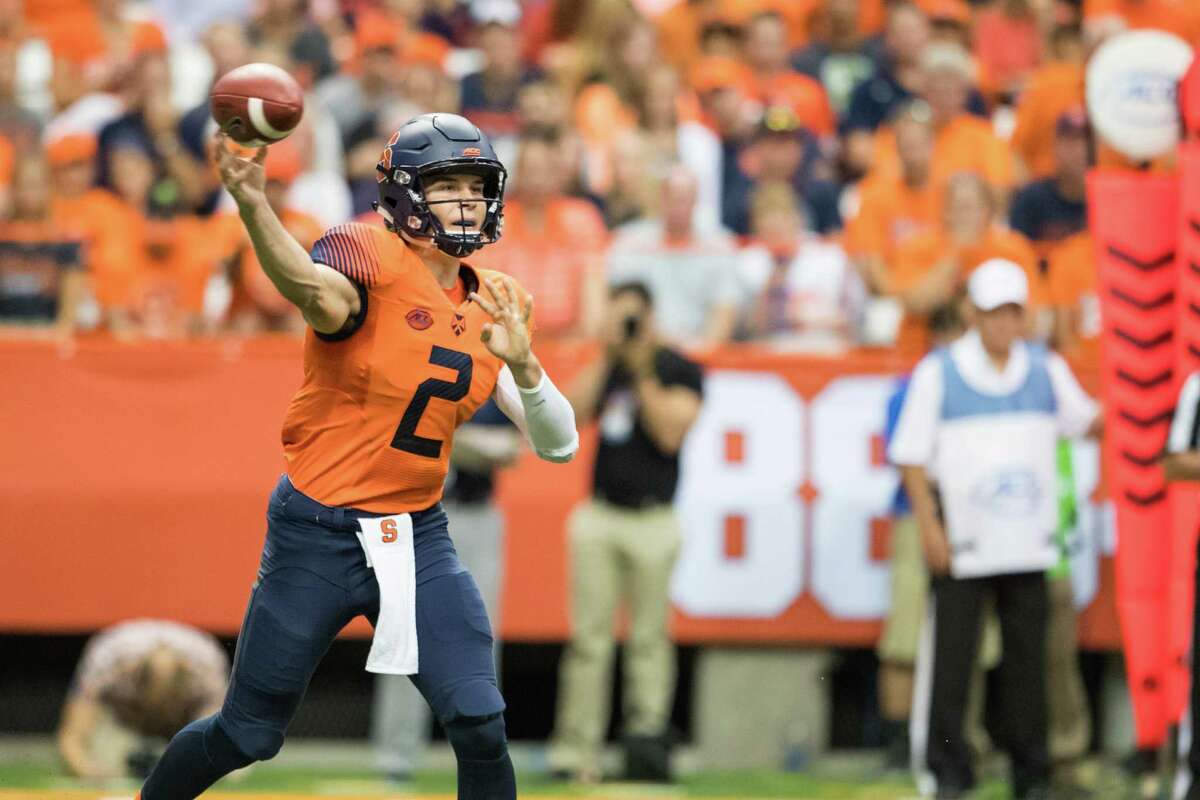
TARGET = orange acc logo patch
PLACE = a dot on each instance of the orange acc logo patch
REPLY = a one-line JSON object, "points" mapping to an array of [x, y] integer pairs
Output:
{"points": [[472, 152], [419, 319]]}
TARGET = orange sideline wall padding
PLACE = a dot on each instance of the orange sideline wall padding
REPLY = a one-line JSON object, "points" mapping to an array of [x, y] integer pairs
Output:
{"points": [[134, 480]]}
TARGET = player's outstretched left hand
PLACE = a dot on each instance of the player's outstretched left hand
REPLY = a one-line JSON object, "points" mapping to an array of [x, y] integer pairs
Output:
{"points": [[507, 335]]}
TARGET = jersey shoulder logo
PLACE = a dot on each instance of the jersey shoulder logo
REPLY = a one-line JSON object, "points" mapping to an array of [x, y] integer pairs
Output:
{"points": [[419, 319]]}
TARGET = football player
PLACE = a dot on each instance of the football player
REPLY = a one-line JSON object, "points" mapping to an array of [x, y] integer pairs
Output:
{"points": [[405, 342]]}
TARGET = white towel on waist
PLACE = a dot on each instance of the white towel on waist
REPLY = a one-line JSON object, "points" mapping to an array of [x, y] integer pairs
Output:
{"points": [[388, 544]]}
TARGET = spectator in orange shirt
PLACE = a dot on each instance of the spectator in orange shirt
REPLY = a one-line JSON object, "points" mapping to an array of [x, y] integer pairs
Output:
{"points": [[40, 265], [95, 217], [1180, 17], [165, 250], [256, 305], [963, 142], [892, 211], [1071, 285], [95, 47], [553, 245], [1054, 88], [1008, 43], [679, 29], [931, 268], [725, 89], [766, 52]]}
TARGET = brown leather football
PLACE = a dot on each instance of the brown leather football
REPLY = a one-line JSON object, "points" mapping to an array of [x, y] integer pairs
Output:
{"points": [[257, 104]]}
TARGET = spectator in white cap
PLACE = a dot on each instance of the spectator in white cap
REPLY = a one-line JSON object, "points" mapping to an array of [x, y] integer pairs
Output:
{"points": [[976, 443]]}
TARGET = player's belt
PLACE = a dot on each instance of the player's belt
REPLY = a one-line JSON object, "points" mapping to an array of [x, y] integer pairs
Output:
{"points": [[335, 518]]}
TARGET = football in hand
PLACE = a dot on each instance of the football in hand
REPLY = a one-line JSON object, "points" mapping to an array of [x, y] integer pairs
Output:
{"points": [[257, 104]]}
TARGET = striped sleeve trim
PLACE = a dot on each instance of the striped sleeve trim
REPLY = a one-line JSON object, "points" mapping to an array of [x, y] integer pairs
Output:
{"points": [[351, 250], [1185, 427]]}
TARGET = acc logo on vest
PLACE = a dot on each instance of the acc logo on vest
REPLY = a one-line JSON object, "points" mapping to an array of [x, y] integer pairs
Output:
{"points": [[1007, 493]]}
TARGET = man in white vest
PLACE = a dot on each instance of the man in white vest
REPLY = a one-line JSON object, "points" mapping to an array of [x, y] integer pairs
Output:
{"points": [[976, 443]]}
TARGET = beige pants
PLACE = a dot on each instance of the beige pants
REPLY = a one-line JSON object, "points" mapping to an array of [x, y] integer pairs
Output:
{"points": [[1067, 715], [616, 555]]}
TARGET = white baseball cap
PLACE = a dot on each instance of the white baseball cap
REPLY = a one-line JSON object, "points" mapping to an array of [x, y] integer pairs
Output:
{"points": [[497, 12], [997, 282]]}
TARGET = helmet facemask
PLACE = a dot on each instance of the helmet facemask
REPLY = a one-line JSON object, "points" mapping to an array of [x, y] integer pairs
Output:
{"points": [[406, 210]]}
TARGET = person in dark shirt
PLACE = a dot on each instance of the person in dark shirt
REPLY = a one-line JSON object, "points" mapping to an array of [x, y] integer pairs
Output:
{"points": [[839, 56], [1050, 210], [489, 96], [645, 397], [779, 148], [896, 78], [152, 125], [896, 81]]}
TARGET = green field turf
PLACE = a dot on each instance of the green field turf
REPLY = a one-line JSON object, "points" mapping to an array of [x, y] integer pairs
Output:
{"points": [[293, 783], [33, 774]]}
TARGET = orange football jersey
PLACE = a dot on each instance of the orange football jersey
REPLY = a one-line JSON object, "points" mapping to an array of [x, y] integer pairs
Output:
{"points": [[371, 426]]}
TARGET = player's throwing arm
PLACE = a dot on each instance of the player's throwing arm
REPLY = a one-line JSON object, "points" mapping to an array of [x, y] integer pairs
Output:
{"points": [[324, 296]]}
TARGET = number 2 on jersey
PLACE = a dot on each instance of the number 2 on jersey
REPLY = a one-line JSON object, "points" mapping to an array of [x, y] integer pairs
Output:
{"points": [[406, 437]]}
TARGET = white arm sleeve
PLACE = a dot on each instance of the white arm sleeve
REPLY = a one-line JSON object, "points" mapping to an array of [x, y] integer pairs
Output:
{"points": [[542, 414]]}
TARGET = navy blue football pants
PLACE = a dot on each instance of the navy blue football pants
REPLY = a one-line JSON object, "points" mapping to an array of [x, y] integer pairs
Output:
{"points": [[312, 580]]}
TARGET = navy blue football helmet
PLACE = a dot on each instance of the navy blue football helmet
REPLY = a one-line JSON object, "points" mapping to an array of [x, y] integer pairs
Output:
{"points": [[431, 145]]}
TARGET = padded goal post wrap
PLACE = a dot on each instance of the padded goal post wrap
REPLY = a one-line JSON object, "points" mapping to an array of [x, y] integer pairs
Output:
{"points": [[1133, 217]]}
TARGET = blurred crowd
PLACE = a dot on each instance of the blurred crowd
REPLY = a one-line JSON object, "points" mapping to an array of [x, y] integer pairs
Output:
{"points": [[813, 174]]}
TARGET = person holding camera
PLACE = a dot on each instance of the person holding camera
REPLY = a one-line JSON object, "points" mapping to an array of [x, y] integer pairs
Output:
{"points": [[624, 541]]}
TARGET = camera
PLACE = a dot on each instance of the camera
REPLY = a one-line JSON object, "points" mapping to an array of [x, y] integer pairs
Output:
{"points": [[632, 324]]}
